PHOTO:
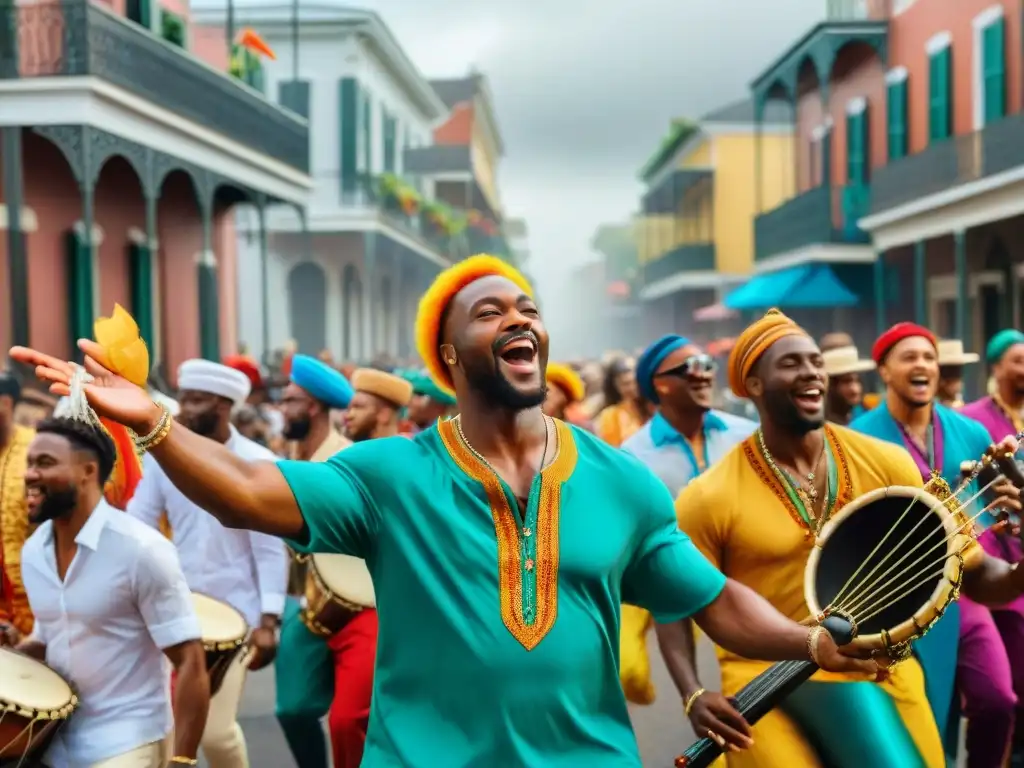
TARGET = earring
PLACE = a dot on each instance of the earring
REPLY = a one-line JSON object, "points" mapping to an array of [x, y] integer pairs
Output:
{"points": [[450, 360], [449, 354]]}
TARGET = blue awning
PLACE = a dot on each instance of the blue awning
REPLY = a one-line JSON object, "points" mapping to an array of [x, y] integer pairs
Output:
{"points": [[806, 286]]}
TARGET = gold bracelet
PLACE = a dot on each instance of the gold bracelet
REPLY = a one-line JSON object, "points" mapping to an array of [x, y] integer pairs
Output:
{"points": [[159, 433], [184, 760], [691, 700], [812, 642]]}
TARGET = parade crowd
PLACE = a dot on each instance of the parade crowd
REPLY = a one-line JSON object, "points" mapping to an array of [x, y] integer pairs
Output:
{"points": [[457, 561]]}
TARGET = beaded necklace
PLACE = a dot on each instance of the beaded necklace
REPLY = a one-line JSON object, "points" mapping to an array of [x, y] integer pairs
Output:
{"points": [[802, 499]]}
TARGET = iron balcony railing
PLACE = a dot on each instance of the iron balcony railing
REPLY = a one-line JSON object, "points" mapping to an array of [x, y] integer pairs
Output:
{"points": [[818, 216], [691, 257], [415, 226], [77, 38], [996, 148]]}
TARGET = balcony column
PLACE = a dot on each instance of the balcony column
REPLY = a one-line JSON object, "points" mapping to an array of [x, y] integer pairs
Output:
{"points": [[920, 284], [370, 296], [17, 258], [880, 293], [206, 278], [963, 313], [826, 139]]}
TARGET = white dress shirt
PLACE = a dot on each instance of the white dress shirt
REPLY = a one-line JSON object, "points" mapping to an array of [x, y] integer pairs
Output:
{"points": [[123, 600], [247, 570]]}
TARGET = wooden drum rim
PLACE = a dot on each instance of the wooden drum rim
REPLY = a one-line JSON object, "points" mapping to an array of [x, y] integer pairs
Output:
{"points": [[946, 591]]}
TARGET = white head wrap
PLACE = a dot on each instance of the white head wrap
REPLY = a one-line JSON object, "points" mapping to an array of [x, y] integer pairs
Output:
{"points": [[217, 379]]}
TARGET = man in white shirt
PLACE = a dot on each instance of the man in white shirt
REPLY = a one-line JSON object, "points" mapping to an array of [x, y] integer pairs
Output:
{"points": [[246, 570], [110, 603]]}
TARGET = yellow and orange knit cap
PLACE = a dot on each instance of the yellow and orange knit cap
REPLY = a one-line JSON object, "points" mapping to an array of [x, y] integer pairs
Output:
{"points": [[439, 295], [566, 379], [753, 343]]}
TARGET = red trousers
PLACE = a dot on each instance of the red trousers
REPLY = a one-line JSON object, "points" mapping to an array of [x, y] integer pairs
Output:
{"points": [[354, 649]]}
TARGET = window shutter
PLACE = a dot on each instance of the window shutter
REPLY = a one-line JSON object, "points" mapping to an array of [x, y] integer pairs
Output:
{"points": [[140, 272], [348, 108], [939, 95], [897, 120], [367, 135], [294, 95], [80, 289], [856, 160], [389, 142], [993, 44]]}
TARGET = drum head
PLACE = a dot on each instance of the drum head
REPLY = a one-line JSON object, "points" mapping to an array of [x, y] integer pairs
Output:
{"points": [[347, 577], [219, 622], [31, 684], [882, 560]]}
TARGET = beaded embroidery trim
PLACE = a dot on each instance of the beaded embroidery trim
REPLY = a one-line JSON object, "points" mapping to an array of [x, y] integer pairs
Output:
{"points": [[527, 563]]}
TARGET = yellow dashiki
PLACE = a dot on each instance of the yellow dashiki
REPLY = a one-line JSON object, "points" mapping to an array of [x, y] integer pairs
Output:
{"points": [[14, 527], [742, 519]]}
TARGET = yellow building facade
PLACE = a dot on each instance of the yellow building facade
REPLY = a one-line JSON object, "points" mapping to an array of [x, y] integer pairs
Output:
{"points": [[696, 226]]}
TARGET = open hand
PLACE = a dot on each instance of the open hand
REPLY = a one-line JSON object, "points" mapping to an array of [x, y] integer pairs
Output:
{"points": [[712, 714], [109, 395]]}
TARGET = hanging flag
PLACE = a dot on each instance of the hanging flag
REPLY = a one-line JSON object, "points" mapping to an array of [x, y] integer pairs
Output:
{"points": [[249, 38]]}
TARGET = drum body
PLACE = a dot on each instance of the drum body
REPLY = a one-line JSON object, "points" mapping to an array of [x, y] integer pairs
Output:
{"points": [[224, 633], [35, 702], [890, 561], [338, 587]]}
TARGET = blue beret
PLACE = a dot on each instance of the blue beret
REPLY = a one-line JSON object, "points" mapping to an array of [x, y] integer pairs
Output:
{"points": [[1000, 343], [322, 382], [651, 358]]}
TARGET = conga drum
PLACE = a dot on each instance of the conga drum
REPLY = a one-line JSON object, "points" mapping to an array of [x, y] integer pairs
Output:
{"points": [[338, 587], [224, 632], [35, 701]]}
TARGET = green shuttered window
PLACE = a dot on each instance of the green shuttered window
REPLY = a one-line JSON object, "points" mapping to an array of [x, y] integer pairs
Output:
{"points": [[390, 140], [80, 288], [209, 312], [993, 64], [940, 94], [857, 147], [140, 275], [897, 112], [348, 119], [366, 135]]}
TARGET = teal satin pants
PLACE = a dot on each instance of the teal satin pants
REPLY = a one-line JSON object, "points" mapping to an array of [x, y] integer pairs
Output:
{"points": [[304, 674]]}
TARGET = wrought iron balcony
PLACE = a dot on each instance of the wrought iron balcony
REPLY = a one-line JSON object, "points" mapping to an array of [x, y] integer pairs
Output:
{"points": [[439, 158], [691, 257], [414, 226], [996, 148], [821, 215], [76, 38]]}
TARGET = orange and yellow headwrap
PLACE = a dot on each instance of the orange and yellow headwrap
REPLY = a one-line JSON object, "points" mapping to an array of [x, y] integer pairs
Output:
{"points": [[566, 379], [434, 302], [753, 343], [124, 353]]}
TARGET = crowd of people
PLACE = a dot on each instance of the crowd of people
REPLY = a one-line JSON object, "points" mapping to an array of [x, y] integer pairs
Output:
{"points": [[523, 524]]}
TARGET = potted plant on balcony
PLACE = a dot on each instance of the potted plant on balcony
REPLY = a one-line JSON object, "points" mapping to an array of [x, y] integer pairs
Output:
{"points": [[399, 195]]}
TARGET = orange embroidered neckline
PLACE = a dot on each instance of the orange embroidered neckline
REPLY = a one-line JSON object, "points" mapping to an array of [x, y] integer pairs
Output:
{"points": [[527, 570]]}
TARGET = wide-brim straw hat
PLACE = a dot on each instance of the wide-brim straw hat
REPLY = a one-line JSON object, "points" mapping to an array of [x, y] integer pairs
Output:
{"points": [[843, 360], [951, 352]]}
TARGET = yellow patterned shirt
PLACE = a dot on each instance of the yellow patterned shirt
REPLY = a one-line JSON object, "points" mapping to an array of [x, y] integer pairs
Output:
{"points": [[14, 527]]}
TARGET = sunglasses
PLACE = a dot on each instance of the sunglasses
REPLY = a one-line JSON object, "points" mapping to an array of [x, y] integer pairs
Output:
{"points": [[695, 365]]}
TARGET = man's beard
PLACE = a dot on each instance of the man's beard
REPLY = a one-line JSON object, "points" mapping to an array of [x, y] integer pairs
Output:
{"points": [[298, 429], [55, 504], [204, 424], [784, 412], [499, 392]]}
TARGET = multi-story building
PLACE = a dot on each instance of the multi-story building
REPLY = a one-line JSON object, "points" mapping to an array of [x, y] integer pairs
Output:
{"points": [[909, 152], [461, 167], [123, 154], [947, 144], [695, 238], [376, 237]]}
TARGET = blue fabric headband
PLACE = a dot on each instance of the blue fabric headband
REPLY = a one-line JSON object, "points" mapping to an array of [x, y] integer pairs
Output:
{"points": [[653, 357]]}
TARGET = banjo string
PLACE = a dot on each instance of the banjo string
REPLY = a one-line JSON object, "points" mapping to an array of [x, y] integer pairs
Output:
{"points": [[843, 594]]}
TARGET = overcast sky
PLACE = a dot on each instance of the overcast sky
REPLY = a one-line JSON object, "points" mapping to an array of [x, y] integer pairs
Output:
{"points": [[584, 90]]}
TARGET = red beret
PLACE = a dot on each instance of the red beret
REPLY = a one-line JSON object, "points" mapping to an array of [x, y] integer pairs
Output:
{"points": [[895, 335], [248, 366]]}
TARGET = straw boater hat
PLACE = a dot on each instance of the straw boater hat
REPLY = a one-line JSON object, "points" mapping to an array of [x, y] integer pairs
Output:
{"points": [[840, 361], [951, 352]]}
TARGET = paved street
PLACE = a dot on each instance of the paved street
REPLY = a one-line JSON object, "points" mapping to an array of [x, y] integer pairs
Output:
{"points": [[661, 727]]}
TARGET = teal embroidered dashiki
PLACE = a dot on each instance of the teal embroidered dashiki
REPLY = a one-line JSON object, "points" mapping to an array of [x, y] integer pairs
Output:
{"points": [[499, 631]]}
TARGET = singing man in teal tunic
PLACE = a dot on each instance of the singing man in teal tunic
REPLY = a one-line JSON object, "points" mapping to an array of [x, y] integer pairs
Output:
{"points": [[501, 544]]}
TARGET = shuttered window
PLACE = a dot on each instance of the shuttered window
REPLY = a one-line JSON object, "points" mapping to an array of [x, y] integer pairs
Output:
{"points": [[348, 109], [366, 134], [140, 275], [390, 139], [857, 147], [80, 287], [897, 119], [993, 64], [940, 94]]}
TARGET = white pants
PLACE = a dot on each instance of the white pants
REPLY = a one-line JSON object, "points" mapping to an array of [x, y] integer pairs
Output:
{"points": [[223, 742], [153, 755]]}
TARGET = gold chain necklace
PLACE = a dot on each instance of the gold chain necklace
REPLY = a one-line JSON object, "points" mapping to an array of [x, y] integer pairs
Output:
{"points": [[807, 498], [485, 462]]}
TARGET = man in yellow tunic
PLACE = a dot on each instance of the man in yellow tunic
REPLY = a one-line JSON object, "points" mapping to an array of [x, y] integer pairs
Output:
{"points": [[752, 515], [14, 442]]}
